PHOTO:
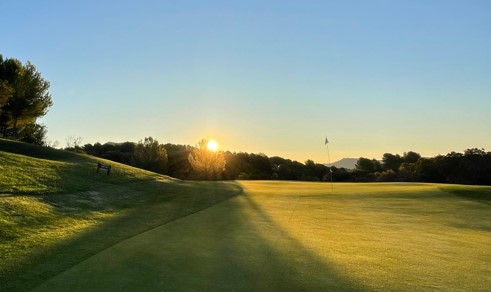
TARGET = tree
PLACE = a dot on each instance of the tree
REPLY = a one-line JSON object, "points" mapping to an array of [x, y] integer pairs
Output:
{"points": [[206, 164], [73, 143], [368, 165], [407, 171], [316, 172], [285, 169], [429, 170], [233, 163], [150, 155], [24, 94], [178, 164], [387, 176], [391, 161], [410, 157], [261, 166], [340, 174], [475, 151], [6, 92], [33, 133]]}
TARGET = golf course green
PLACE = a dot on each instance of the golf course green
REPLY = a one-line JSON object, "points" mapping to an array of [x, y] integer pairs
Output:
{"points": [[138, 231], [279, 236]]}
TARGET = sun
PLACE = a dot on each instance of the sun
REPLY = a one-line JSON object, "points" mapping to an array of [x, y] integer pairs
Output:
{"points": [[212, 145]]}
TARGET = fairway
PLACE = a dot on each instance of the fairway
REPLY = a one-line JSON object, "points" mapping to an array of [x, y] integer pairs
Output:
{"points": [[278, 236]]}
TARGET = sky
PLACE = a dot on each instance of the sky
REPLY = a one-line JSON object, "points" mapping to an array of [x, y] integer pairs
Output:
{"points": [[272, 77]]}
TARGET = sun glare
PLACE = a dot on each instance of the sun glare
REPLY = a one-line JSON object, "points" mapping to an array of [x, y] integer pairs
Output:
{"points": [[212, 145]]}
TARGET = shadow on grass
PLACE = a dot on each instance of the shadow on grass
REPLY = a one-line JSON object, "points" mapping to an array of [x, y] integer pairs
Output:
{"points": [[36, 151], [481, 194], [157, 203], [45, 171], [284, 262], [234, 246]]}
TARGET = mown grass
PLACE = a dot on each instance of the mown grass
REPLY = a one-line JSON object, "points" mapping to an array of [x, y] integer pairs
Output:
{"points": [[56, 211], [64, 227], [481, 194], [33, 170], [285, 236]]}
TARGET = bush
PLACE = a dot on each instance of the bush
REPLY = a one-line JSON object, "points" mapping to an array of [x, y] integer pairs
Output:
{"points": [[387, 176]]}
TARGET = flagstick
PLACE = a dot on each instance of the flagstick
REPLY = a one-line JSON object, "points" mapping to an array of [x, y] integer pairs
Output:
{"points": [[330, 166]]}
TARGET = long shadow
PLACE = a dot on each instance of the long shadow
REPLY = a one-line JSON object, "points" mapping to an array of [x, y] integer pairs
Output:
{"points": [[36, 151], [62, 172], [233, 246], [285, 263], [237, 245], [165, 203], [481, 194]]}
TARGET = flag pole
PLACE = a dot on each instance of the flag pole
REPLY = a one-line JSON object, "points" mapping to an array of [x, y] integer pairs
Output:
{"points": [[326, 142]]}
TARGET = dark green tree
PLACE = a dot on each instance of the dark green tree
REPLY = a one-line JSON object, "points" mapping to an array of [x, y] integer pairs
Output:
{"points": [[315, 172], [368, 165], [429, 169], [407, 172], [150, 155], [33, 133], [391, 161], [262, 167], [410, 157], [233, 169], [387, 176], [24, 95], [6, 92], [178, 163], [285, 169]]}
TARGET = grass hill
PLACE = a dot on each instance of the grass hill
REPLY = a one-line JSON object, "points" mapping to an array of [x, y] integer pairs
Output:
{"points": [[56, 211]]}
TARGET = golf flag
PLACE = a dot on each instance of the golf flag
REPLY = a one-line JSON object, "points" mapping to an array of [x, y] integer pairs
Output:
{"points": [[327, 141]]}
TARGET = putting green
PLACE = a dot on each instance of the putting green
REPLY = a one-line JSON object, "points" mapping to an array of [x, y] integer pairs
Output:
{"points": [[280, 236]]}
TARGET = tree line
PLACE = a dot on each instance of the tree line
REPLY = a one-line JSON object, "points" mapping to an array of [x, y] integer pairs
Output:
{"points": [[471, 167], [24, 97], [197, 162]]}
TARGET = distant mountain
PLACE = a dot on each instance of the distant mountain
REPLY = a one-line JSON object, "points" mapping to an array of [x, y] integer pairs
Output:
{"points": [[348, 163]]}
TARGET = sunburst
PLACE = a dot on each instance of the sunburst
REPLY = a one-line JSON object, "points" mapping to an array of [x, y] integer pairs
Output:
{"points": [[212, 145]]}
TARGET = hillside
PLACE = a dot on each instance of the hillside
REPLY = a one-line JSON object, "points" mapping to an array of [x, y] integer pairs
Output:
{"points": [[348, 163], [56, 211]]}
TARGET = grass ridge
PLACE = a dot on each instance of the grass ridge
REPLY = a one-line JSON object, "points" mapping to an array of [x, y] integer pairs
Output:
{"points": [[62, 212]]}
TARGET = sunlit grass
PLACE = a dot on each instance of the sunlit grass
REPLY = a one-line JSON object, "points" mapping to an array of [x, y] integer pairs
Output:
{"points": [[386, 236], [285, 236], [55, 210], [65, 227]]}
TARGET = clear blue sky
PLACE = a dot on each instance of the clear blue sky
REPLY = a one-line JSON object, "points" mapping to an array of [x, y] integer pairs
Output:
{"points": [[263, 76]]}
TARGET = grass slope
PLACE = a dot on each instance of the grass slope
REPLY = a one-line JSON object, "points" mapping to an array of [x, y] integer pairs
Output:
{"points": [[56, 211], [285, 236]]}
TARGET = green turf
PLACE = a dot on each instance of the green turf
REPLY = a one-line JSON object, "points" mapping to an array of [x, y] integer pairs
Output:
{"points": [[65, 227], [285, 236], [56, 211], [482, 194]]}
